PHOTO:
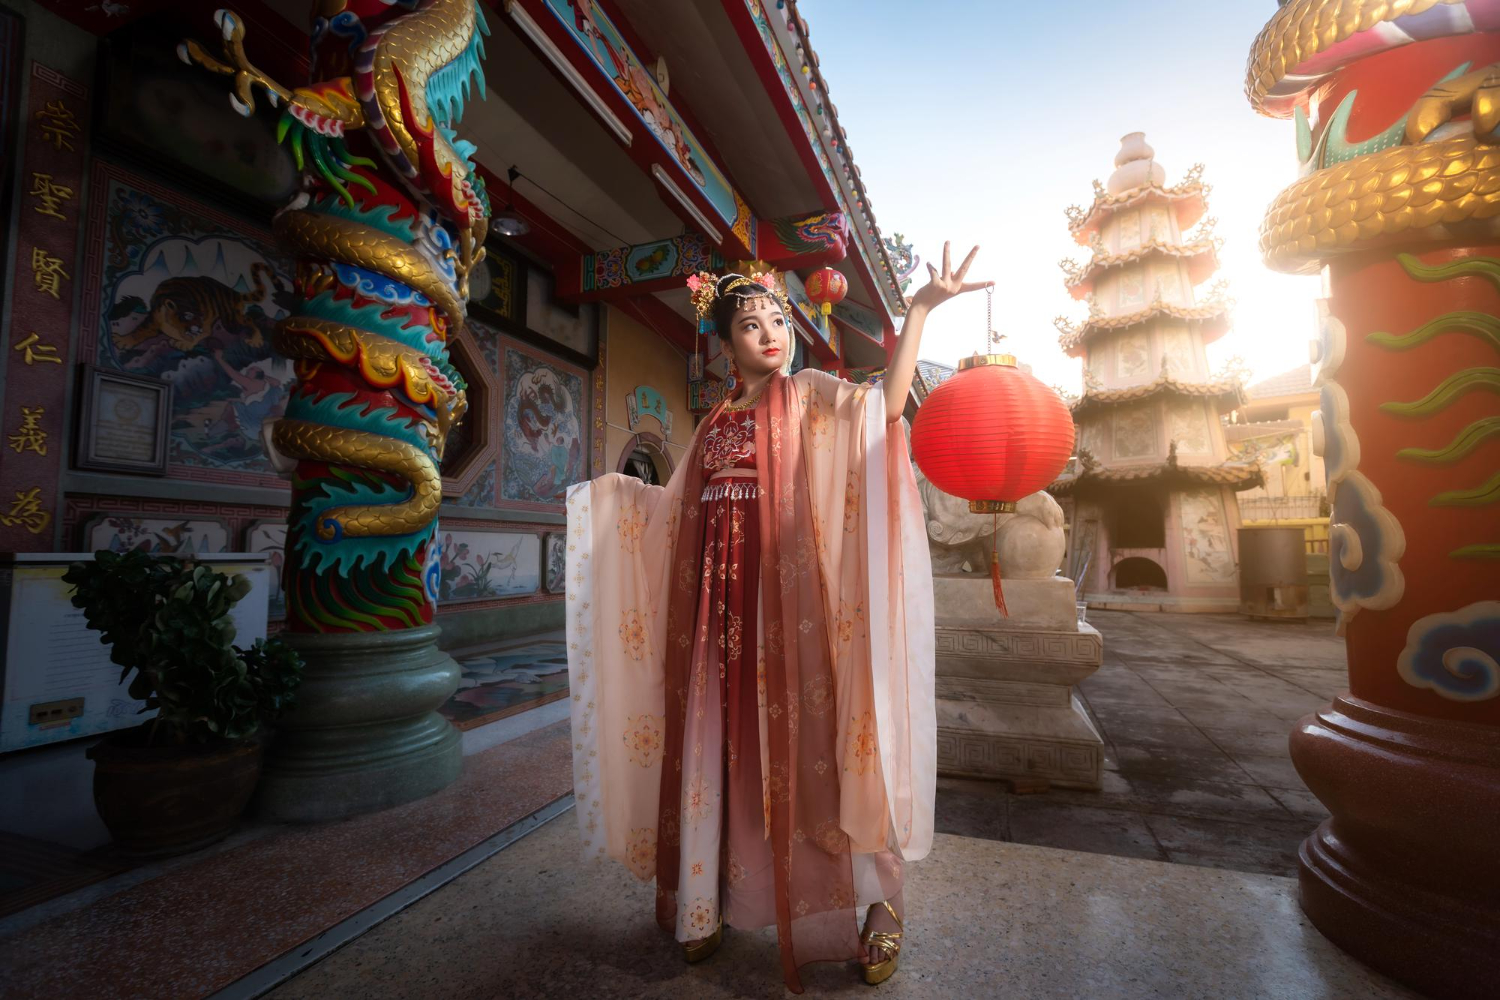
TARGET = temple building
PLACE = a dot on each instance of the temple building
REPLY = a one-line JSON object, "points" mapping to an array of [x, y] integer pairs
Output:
{"points": [[623, 144], [1153, 492], [1274, 428]]}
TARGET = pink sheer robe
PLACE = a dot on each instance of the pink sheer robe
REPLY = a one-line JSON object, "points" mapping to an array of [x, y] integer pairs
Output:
{"points": [[751, 675]]}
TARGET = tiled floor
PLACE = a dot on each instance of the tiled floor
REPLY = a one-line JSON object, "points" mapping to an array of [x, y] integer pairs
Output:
{"points": [[1195, 711], [505, 680], [985, 919], [202, 926]]}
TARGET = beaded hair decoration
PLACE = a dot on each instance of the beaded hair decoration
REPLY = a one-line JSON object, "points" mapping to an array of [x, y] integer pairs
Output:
{"points": [[704, 290]]}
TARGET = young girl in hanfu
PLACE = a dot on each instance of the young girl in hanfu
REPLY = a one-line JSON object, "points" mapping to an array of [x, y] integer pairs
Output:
{"points": [[750, 652]]}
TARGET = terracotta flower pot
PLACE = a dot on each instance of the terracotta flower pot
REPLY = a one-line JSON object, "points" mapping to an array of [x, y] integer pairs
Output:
{"points": [[159, 801]]}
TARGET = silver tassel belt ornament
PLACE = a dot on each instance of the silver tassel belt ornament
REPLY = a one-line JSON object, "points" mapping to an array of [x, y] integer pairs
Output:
{"points": [[731, 490]]}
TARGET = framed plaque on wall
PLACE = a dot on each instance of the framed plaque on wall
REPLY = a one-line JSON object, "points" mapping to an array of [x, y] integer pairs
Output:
{"points": [[123, 423]]}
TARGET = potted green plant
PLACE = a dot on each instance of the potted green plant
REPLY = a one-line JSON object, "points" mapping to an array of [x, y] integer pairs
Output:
{"points": [[180, 780]]}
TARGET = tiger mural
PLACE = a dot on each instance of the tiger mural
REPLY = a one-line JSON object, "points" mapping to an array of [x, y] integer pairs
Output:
{"points": [[189, 310]]}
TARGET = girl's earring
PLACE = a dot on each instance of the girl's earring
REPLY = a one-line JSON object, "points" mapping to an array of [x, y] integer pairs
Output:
{"points": [[732, 381]]}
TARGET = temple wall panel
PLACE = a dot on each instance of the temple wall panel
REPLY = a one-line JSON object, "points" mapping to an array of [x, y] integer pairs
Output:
{"points": [[641, 360], [176, 287]]}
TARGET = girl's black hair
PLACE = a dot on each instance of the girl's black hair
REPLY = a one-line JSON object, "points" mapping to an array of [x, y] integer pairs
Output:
{"points": [[726, 305]]}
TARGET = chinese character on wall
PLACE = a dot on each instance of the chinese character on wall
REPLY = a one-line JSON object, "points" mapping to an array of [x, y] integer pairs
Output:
{"points": [[31, 436], [36, 351], [26, 511], [50, 195], [59, 125], [47, 273]]}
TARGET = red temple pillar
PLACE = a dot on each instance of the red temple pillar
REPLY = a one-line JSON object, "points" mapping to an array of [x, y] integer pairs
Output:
{"points": [[1398, 204]]}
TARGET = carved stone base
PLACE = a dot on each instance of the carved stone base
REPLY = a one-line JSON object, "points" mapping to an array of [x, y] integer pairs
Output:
{"points": [[1405, 875], [1005, 702], [1026, 744], [365, 734]]}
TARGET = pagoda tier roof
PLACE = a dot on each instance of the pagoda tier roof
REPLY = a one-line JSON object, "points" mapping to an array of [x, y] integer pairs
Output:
{"points": [[1227, 391], [1200, 253], [1188, 198], [1213, 317], [1236, 475]]}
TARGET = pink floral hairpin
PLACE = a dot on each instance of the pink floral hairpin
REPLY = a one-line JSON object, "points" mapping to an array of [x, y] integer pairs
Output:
{"points": [[702, 289]]}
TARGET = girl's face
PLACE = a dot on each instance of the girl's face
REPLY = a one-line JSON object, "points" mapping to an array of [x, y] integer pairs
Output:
{"points": [[759, 338]]}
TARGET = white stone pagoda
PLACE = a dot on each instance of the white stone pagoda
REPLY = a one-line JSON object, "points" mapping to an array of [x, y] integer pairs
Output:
{"points": [[1154, 513]]}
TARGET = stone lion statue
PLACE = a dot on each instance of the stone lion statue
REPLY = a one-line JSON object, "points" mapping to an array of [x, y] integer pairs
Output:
{"points": [[1031, 542]]}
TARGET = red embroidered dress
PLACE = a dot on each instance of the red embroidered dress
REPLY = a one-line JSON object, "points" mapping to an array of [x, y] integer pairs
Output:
{"points": [[728, 616], [751, 679]]}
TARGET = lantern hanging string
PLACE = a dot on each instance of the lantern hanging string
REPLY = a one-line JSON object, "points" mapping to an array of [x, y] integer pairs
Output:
{"points": [[989, 317]]}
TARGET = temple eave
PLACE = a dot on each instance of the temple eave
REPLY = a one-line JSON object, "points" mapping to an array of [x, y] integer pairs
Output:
{"points": [[1189, 199], [1201, 255], [1214, 318], [1228, 392], [1168, 474]]}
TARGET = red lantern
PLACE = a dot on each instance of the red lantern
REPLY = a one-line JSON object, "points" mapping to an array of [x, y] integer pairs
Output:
{"points": [[826, 287], [993, 435]]}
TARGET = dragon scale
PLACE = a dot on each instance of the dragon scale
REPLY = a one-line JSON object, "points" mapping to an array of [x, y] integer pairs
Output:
{"points": [[391, 217]]}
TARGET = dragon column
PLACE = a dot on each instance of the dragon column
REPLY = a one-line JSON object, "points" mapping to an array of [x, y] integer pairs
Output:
{"points": [[1396, 104], [390, 219]]}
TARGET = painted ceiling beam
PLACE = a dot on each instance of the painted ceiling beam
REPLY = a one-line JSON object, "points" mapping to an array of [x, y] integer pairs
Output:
{"points": [[800, 241], [660, 265], [582, 45], [809, 118], [567, 255]]}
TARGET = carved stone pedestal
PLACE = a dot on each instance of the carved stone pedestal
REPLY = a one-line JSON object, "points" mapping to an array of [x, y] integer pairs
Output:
{"points": [[365, 733], [1405, 875], [1005, 702]]}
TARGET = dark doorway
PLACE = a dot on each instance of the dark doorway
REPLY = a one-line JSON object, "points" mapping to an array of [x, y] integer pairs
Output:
{"points": [[642, 465], [1136, 519], [1139, 572]]}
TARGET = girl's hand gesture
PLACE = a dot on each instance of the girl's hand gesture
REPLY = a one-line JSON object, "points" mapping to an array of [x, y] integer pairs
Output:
{"points": [[942, 287]]}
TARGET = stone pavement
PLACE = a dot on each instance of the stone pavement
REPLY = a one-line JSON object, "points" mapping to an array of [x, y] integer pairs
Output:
{"points": [[1195, 711], [985, 919]]}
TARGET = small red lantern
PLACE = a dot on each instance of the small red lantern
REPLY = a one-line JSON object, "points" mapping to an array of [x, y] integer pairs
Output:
{"points": [[826, 287], [993, 435]]}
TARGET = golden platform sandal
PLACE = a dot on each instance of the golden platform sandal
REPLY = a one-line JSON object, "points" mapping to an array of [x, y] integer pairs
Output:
{"points": [[697, 951], [886, 941]]}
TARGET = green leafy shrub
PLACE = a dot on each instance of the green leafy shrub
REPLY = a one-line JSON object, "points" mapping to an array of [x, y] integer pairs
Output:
{"points": [[168, 620]]}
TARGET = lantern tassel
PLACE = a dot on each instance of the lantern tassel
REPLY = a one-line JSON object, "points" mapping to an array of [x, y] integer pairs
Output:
{"points": [[995, 567]]}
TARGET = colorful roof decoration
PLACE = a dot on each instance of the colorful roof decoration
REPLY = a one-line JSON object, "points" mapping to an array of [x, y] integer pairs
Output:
{"points": [[785, 35], [930, 375], [1227, 390], [862, 376]]}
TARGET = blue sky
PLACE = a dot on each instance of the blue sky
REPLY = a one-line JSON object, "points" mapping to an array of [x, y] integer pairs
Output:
{"points": [[980, 122]]}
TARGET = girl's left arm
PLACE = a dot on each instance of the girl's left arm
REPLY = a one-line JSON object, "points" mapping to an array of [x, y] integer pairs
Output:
{"points": [[939, 289]]}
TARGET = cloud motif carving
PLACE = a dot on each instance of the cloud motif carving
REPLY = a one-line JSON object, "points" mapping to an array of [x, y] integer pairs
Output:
{"points": [[1365, 543], [1327, 352], [1333, 436], [1456, 654]]}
